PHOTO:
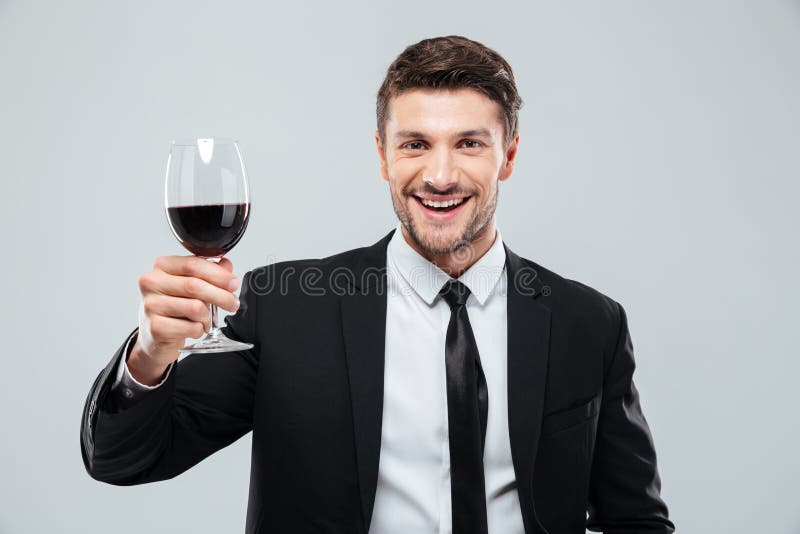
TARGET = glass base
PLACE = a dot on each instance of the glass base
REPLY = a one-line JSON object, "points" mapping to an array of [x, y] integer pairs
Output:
{"points": [[214, 342]]}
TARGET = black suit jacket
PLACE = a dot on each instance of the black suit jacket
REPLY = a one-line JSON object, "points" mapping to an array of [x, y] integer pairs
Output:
{"points": [[311, 391]]}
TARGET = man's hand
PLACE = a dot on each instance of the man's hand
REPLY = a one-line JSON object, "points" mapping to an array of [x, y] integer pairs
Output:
{"points": [[175, 305]]}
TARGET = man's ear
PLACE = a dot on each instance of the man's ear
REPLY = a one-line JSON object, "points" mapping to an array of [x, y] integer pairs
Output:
{"points": [[510, 156], [381, 156]]}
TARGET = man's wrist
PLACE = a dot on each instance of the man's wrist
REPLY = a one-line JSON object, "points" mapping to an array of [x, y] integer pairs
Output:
{"points": [[142, 370]]}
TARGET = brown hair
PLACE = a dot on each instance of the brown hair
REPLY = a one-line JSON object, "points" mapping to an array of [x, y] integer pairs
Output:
{"points": [[452, 62]]}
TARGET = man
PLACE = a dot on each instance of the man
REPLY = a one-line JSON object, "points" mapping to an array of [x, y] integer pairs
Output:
{"points": [[434, 381]]}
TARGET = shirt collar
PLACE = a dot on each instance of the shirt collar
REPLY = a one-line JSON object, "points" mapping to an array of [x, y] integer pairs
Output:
{"points": [[427, 279]]}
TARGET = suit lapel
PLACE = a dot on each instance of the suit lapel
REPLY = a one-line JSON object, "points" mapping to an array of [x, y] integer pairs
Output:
{"points": [[528, 345], [363, 310]]}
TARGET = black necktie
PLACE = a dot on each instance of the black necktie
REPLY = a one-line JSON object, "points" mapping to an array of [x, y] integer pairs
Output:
{"points": [[467, 407]]}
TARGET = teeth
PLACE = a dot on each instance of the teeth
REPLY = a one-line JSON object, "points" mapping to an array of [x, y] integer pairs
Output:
{"points": [[445, 204]]}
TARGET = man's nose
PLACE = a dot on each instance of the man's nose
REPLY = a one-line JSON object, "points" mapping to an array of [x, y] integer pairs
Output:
{"points": [[440, 172]]}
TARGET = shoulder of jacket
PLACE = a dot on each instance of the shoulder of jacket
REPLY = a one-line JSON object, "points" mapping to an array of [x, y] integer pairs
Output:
{"points": [[572, 296]]}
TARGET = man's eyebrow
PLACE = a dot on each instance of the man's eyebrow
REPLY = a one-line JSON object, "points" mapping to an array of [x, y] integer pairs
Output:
{"points": [[409, 134], [479, 132], [414, 134]]}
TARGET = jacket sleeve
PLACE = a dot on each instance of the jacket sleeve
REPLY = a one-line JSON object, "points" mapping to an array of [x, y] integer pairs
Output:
{"points": [[205, 404], [624, 491]]}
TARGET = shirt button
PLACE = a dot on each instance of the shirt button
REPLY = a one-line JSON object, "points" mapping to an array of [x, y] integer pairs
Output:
{"points": [[127, 392]]}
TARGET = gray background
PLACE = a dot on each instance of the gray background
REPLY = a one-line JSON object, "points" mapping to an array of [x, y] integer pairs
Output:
{"points": [[659, 164]]}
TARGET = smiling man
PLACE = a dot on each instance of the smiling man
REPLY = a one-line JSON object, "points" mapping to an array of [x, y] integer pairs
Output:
{"points": [[443, 152], [434, 381]]}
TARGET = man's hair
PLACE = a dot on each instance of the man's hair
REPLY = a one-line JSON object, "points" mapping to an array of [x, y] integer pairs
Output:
{"points": [[452, 62]]}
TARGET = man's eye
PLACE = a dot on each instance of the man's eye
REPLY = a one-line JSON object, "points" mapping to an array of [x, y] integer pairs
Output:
{"points": [[470, 143], [414, 145]]}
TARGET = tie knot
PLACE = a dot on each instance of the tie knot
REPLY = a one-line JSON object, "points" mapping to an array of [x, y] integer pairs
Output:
{"points": [[455, 293]]}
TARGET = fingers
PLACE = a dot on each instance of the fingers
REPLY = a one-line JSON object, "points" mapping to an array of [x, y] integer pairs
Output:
{"points": [[219, 274], [189, 288], [226, 264], [175, 299], [165, 330], [177, 307]]}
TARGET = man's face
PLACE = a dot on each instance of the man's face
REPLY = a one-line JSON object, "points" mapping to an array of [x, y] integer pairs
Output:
{"points": [[445, 146]]}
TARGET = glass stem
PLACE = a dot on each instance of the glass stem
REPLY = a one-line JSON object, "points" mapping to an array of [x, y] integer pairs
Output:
{"points": [[214, 330]]}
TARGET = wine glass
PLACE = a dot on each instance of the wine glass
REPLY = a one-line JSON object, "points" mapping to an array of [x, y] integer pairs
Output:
{"points": [[208, 205]]}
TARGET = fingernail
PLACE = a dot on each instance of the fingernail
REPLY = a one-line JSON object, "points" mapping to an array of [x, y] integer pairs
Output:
{"points": [[233, 284], [236, 304]]}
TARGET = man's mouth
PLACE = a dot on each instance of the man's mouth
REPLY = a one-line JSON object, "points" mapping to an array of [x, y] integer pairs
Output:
{"points": [[441, 208], [441, 205]]}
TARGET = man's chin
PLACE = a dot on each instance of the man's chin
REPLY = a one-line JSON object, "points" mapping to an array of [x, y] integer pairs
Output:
{"points": [[438, 239]]}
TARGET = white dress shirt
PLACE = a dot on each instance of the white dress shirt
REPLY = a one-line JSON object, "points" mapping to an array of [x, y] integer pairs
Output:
{"points": [[413, 492]]}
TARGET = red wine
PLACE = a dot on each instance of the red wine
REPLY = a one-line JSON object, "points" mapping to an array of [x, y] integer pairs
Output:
{"points": [[210, 230]]}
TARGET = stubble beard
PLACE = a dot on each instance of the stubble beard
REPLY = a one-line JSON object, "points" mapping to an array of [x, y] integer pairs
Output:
{"points": [[436, 242]]}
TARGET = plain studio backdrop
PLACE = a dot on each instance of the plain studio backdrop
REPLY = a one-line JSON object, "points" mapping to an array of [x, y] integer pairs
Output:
{"points": [[659, 163]]}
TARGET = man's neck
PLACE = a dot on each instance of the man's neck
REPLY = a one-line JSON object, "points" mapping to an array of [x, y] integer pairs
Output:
{"points": [[455, 263]]}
